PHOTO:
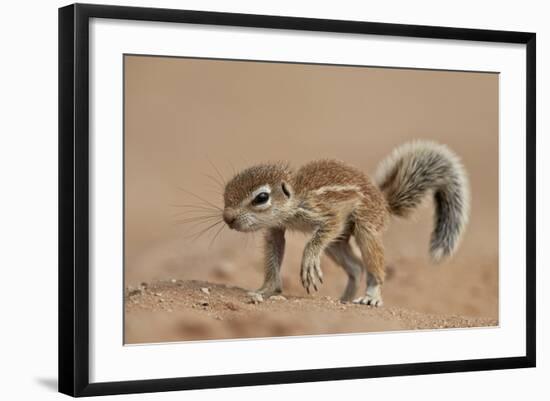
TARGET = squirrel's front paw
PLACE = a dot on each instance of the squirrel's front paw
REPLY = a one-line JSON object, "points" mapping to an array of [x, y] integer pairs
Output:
{"points": [[267, 291], [311, 273]]}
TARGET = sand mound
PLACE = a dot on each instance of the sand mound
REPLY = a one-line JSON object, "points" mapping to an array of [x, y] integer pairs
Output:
{"points": [[179, 310]]}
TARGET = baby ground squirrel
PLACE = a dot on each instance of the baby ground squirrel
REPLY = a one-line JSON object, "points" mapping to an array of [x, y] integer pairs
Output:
{"points": [[334, 201]]}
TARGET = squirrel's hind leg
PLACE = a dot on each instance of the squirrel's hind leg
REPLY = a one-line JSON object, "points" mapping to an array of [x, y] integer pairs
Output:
{"points": [[342, 254], [372, 252]]}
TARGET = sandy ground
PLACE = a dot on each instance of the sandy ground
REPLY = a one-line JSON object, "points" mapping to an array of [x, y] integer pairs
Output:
{"points": [[166, 305], [189, 121], [199, 310]]}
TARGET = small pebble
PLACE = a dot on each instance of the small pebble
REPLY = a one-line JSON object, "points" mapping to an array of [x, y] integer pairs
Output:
{"points": [[173, 281], [204, 303], [277, 298], [157, 294], [205, 290]]}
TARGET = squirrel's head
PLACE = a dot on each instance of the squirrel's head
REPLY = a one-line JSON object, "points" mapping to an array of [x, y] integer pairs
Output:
{"points": [[258, 197]]}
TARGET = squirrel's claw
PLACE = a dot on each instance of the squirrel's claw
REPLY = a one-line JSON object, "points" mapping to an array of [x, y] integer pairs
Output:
{"points": [[311, 274]]}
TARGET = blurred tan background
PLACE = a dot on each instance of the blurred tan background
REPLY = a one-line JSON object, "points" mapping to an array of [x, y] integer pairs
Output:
{"points": [[182, 116]]}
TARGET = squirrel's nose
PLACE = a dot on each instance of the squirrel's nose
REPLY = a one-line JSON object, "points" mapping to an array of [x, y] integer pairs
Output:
{"points": [[229, 216]]}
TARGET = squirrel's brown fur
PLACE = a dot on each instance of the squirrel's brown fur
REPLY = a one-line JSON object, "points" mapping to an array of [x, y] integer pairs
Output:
{"points": [[334, 201]]}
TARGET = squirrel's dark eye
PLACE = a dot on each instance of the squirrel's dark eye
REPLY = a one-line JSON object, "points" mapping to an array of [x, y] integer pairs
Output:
{"points": [[260, 199]]}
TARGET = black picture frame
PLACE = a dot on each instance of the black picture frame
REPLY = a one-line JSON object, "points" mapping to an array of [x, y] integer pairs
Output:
{"points": [[74, 198]]}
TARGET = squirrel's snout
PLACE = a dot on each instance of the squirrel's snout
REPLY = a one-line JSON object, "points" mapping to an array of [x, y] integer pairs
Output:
{"points": [[229, 217]]}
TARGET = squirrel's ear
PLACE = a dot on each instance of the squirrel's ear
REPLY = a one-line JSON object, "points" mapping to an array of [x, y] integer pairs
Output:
{"points": [[285, 188]]}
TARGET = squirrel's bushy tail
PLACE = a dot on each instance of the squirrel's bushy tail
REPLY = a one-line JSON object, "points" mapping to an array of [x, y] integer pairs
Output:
{"points": [[419, 167]]}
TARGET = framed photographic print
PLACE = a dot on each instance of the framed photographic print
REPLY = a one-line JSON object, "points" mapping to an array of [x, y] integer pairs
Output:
{"points": [[251, 199]]}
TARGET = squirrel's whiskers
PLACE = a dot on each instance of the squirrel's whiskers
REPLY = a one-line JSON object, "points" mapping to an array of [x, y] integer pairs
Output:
{"points": [[201, 214]]}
